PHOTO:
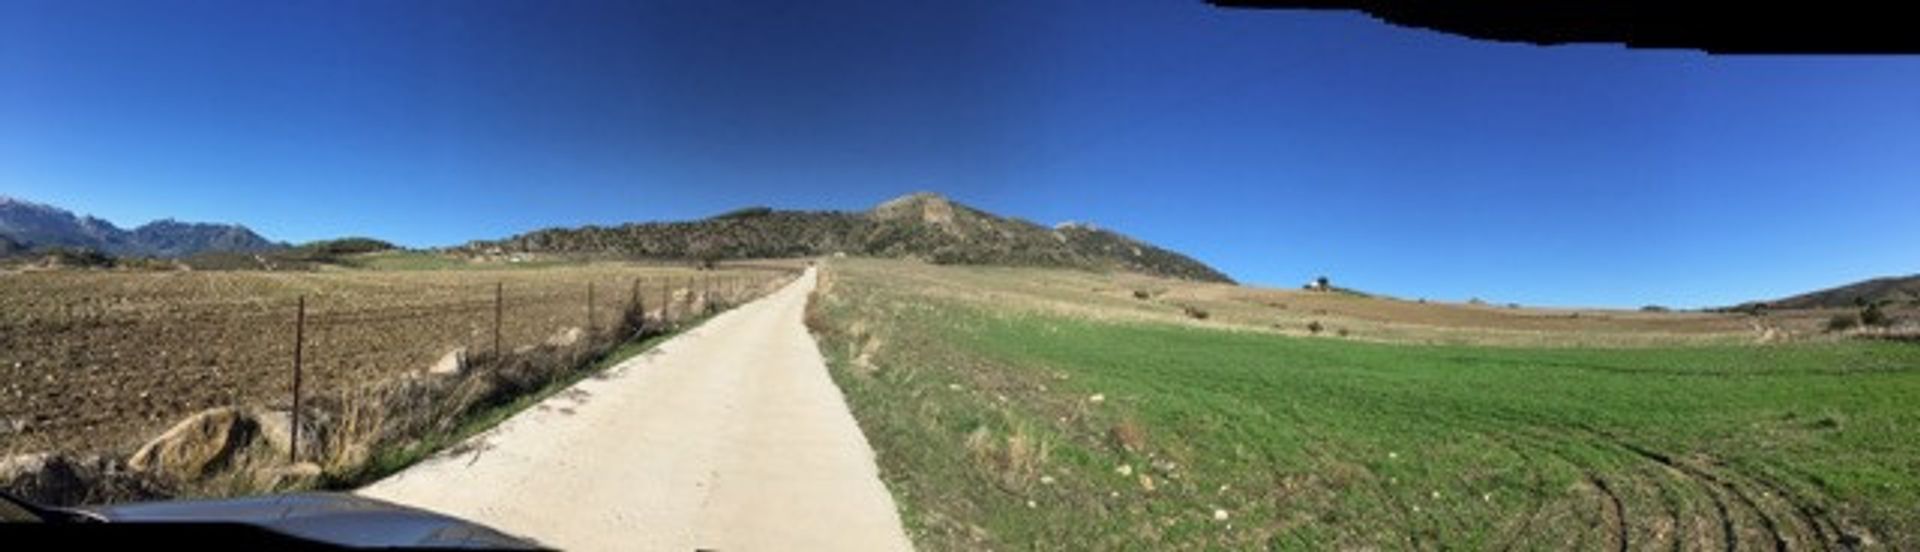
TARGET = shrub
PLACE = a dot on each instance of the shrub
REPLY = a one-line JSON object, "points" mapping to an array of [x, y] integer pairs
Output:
{"points": [[1842, 322], [1314, 327], [1142, 294], [1873, 316], [1128, 436], [81, 257], [1342, 332], [1195, 312]]}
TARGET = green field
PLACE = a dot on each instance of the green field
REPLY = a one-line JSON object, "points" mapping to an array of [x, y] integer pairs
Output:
{"points": [[988, 432]]}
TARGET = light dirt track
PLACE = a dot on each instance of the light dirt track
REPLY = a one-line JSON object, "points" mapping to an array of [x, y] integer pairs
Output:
{"points": [[729, 437]]}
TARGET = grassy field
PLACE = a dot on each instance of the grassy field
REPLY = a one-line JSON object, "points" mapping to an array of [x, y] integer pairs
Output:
{"points": [[101, 360], [1015, 409]]}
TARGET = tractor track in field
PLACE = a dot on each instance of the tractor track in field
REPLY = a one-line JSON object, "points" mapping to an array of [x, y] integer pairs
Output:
{"points": [[1726, 490], [1745, 510]]}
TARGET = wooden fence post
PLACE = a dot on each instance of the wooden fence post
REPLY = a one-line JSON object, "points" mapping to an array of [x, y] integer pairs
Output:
{"points": [[638, 307], [499, 300], [299, 341]]}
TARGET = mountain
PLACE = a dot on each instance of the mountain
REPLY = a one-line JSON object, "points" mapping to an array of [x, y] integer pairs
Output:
{"points": [[43, 226], [1902, 290], [924, 226]]}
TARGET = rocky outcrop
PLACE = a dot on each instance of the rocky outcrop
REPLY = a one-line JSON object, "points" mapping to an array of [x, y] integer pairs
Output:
{"points": [[451, 364], [199, 445], [63, 480]]}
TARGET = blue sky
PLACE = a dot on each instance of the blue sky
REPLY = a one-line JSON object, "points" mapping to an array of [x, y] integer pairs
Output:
{"points": [[1273, 145]]}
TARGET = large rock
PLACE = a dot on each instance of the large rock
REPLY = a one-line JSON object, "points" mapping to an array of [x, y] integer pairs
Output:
{"points": [[200, 445], [567, 337], [38, 477], [276, 431], [451, 364], [61, 480]]}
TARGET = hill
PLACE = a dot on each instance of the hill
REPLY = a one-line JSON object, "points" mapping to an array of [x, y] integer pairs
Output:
{"points": [[1899, 290], [922, 226], [45, 226]]}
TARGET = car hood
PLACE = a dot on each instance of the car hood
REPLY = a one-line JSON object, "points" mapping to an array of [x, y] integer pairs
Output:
{"points": [[333, 518]]}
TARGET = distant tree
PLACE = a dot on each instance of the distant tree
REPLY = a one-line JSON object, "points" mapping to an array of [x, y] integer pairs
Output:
{"points": [[1654, 308], [1843, 322]]}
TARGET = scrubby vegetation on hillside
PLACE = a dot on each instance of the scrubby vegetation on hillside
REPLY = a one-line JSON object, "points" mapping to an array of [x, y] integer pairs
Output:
{"points": [[1898, 291], [921, 226]]}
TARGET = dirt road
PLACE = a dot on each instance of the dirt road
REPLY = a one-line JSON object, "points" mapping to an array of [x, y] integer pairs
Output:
{"points": [[729, 437]]}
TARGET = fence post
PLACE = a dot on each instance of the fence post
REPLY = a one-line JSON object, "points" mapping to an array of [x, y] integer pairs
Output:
{"points": [[666, 299], [589, 312], [637, 309], [299, 341], [499, 298]]}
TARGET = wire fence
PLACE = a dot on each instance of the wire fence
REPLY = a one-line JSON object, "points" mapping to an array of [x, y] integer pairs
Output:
{"points": [[103, 375]]}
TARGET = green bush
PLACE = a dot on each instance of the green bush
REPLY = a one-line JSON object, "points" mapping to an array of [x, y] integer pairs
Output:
{"points": [[1873, 316]]}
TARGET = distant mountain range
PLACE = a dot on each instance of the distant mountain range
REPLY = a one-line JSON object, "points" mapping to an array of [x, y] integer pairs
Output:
{"points": [[925, 226], [27, 226]]}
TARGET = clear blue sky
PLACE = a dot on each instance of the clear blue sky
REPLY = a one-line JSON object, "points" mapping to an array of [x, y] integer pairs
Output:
{"points": [[1274, 145]]}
